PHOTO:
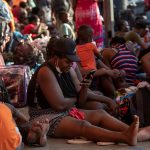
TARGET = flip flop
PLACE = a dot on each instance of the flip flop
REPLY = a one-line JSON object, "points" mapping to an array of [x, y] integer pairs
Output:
{"points": [[78, 141], [105, 143]]}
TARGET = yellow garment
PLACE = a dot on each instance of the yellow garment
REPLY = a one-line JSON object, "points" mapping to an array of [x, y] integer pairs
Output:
{"points": [[9, 138]]}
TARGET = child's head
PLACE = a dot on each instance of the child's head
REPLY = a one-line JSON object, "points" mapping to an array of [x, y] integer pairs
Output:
{"points": [[34, 19], [85, 34], [23, 4], [123, 26], [63, 16], [117, 41], [25, 54]]}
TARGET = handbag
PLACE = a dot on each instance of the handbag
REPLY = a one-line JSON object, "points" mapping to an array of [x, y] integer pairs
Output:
{"points": [[16, 79]]}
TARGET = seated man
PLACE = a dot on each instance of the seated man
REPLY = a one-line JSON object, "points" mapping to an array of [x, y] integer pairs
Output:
{"points": [[121, 58]]}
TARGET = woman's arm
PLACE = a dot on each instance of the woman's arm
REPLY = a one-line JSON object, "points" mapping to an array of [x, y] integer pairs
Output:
{"points": [[52, 91], [18, 117], [108, 54], [81, 88], [91, 96]]}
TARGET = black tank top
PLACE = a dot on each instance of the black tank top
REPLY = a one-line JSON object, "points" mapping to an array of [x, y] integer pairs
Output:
{"points": [[35, 95]]}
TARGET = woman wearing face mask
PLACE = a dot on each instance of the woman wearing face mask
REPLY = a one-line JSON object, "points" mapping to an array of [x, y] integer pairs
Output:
{"points": [[55, 91]]}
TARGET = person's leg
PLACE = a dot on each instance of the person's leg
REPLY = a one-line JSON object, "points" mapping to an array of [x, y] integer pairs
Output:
{"points": [[70, 128], [103, 119], [107, 86], [144, 134], [93, 105]]}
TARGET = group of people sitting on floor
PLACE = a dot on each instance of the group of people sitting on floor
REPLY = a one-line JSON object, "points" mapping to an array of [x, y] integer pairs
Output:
{"points": [[74, 85]]}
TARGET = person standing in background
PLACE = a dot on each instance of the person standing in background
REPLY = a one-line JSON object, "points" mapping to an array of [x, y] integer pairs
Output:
{"points": [[45, 10], [87, 12]]}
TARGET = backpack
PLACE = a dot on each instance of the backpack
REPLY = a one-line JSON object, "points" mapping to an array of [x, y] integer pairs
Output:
{"points": [[140, 106], [16, 79]]}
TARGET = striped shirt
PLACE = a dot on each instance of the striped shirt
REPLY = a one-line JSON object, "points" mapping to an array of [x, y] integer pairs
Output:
{"points": [[127, 61]]}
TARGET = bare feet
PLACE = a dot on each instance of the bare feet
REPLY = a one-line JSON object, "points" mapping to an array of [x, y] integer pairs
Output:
{"points": [[37, 133], [132, 132]]}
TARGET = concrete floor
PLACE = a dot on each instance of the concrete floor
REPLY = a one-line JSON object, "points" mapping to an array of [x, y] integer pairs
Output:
{"points": [[61, 144]]}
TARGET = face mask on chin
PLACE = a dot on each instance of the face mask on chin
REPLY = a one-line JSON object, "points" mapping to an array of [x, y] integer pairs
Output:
{"points": [[57, 67]]}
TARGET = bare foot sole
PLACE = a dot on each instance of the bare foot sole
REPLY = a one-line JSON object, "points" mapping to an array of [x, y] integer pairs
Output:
{"points": [[43, 137], [37, 133], [131, 133]]}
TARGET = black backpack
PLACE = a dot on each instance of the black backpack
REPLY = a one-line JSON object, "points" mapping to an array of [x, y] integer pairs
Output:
{"points": [[140, 106]]}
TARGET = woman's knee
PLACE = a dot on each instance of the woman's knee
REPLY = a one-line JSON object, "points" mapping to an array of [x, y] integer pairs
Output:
{"points": [[100, 112], [96, 116], [83, 126], [94, 105]]}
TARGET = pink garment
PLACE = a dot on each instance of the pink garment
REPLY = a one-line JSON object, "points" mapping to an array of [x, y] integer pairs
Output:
{"points": [[16, 12], [147, 2], [87, 12]]}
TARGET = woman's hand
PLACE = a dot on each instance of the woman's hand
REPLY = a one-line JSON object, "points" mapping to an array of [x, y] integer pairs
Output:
{"points": [[83, 92], [85, 83], [115, 73]]}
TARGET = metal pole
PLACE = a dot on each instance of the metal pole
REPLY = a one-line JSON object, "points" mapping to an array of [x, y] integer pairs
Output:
{"points": [[108, 19]]}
